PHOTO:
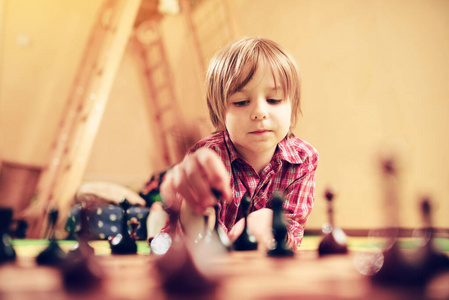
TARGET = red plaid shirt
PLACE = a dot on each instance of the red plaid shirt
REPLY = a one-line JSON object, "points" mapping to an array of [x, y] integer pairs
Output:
{"points": [[291, 171]]}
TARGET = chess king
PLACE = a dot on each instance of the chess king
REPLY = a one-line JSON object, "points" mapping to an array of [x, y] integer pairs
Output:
{"points": [[253, 97]]}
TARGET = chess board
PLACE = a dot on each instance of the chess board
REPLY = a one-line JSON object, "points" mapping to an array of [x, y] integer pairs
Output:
{"points": [[239, 275]]}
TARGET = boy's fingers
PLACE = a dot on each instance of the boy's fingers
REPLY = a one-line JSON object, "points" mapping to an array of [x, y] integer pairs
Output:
{"points": [[175, 183], [214, 171], [194, 179], [168, 192], [198, 182], [185, 188]]}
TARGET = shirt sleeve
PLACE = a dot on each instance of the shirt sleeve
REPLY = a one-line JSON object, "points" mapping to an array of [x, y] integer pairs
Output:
{"points": [[299, 198]]}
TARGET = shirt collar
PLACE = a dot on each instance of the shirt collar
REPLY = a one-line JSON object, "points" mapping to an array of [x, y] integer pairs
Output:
{"points": [[286, 151], [233, 154]]}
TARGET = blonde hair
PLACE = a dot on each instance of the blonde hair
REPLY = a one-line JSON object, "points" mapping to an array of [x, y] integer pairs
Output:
{"points": [[225, 75]]}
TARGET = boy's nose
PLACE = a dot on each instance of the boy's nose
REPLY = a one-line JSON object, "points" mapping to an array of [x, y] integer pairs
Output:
{"points": [[259, 116], [259, 112]]}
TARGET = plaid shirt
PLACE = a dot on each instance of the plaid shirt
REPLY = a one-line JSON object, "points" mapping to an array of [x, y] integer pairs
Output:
{"points": [[291, 171]]}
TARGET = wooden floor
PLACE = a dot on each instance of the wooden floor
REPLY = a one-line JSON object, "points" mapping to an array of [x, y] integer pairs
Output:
{"points": [[239, 275]]}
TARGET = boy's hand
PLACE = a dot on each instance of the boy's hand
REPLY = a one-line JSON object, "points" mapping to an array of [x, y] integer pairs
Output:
{"points": [[194, 178], [259, 224]]}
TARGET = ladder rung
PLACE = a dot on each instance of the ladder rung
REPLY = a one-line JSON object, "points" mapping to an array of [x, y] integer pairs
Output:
{"points": [[161, 87], [155, 43], [155, 66], [169, 129], [164, 109]]}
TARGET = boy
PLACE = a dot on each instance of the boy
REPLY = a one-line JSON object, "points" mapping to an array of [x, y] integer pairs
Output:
{"points": [[253, 95]]}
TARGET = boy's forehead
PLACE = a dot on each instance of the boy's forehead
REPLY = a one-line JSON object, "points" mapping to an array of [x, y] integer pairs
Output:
{"points": [[249, 71], [270, 88]]}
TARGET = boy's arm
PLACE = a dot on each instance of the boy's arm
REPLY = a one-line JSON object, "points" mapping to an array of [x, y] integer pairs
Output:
{"points": [[298, 202]]}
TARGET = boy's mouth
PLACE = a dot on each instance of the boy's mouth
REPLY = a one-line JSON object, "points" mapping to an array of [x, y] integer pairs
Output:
{"points": [[260, 131]]}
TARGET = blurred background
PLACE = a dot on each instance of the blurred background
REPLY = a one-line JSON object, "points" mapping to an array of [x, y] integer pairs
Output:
{"points": [[103, 90]]}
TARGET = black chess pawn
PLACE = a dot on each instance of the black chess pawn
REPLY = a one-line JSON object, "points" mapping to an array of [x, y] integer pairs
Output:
{"points": [[83, 235], [7, 252], [122, 243], [246, 241], [431, 259], [53, 255], [334, 240], [279, 227]]}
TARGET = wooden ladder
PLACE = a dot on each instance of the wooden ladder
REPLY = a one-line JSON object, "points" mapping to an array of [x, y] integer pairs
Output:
{"points": [[89, 94], [163, 108], [211, 26]]}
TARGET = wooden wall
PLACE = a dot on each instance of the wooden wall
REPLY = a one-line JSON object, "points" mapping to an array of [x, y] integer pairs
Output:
{"points": [[374, 77]]}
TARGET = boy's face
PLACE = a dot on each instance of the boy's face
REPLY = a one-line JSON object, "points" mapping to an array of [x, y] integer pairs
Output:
{"points": [[258, 116]]}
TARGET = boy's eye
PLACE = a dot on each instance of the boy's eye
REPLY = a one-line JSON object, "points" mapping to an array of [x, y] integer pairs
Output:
{"points": [[241, 103], [274, 101]]}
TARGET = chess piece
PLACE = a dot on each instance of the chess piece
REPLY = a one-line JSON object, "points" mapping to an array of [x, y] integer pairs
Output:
{"points": [[180, 275], [246, 241], [134, 224], [82, 234], [156, 219], [395, 269], [206, 236], [334, 240], [161, 242], [21, 229], [80, 272], [192, 222], [53, 255], [210, 244], [214, 236], [221, 235], [122, 243], [7, 252], [280, 248], [432, 260]]}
